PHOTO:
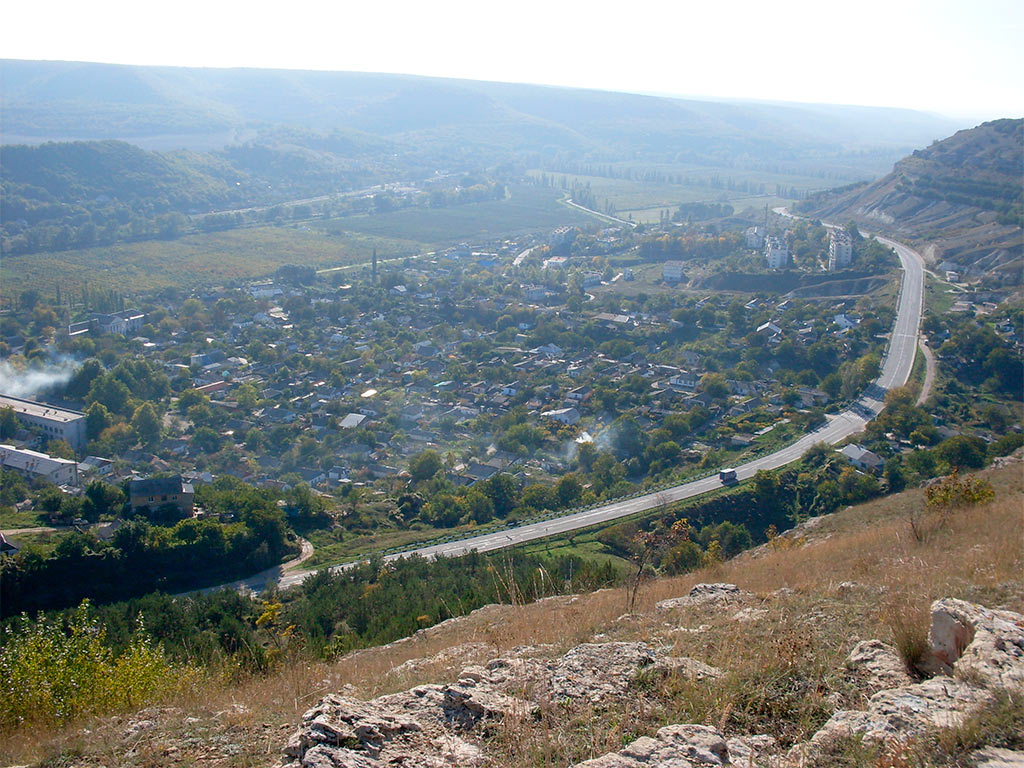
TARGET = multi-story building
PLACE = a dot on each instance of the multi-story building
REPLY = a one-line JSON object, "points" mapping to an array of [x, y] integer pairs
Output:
{"points": [[56, 423], [840, 250], [157, 492], [672, 271], [776, 252]]}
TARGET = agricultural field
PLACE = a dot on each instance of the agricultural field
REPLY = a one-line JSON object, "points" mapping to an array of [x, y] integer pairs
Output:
{"points": [[189, 262], [527, 208], [644, 199]]}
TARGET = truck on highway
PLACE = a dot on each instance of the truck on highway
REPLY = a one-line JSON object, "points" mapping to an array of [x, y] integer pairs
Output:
{"points": [[727, 476]]}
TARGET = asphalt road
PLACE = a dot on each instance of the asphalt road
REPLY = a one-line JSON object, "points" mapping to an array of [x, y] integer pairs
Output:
{"points": [[896, 368]]}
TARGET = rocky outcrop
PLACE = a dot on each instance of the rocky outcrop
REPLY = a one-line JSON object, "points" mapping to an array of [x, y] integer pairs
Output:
{"points": [[687, 746], [702, 595], [442, 725], [978, 651], [980, 644]]}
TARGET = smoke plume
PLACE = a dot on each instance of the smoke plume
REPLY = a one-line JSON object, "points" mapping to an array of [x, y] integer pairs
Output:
{"points": [[35, 378]]}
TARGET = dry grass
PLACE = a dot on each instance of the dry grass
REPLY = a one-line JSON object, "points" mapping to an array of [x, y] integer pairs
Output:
{"points": [[856, 575]]}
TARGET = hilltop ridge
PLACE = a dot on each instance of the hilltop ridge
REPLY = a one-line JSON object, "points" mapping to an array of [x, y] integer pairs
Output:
{"points": [[962, 196]]}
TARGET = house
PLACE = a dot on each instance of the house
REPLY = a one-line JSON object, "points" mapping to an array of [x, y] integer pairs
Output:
{"points": [[95, 465], [862, 458], [8, 547], [684, 380], [771, 330], [845, 322], [352, 421], [156, 492], [591, 279], [672, 271], [568, 416], [535, 292], [580, 394], [33, 464], [563, 236]]}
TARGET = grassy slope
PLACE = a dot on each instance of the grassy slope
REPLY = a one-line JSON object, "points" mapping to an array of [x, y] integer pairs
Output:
{"points": [[784, 672]]}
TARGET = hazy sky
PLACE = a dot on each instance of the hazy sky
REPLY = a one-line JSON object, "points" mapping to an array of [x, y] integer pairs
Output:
{"points": [[958, 57]]}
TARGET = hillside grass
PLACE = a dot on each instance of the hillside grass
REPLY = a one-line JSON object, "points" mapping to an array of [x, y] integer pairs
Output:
{"points": [[854, 575]]}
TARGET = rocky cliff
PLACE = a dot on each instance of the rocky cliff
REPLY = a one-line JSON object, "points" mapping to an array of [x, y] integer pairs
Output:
{"points": [[961, 198]]}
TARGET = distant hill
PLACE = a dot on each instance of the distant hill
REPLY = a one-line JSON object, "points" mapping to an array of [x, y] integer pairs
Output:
{"points": [[963, 198], [171, 108]]}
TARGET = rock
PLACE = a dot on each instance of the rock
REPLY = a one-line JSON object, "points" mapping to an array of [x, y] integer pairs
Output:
{"points": [[752, 751], [684, 666], [749, 614], [899, 714], [455, 655], [467, 705], [706, 594], [685, 746], [595, 671], [878, 666], [993, 757], [979, 643]]}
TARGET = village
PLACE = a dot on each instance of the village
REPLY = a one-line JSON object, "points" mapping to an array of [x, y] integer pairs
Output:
{"points": [[503, 357]]}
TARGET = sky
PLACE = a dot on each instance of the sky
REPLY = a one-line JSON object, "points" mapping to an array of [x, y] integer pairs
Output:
{"points": [[962, 58]]}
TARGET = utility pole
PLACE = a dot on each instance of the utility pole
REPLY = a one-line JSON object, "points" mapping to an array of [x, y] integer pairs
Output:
{"points": [[374, 271]]}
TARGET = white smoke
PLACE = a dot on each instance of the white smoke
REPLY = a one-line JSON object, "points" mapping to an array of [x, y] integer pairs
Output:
{"points": [[32, 379]]}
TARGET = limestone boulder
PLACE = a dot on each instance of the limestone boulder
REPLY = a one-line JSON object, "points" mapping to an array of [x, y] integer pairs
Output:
{"points": [[877, 666], [702, 595], [978, 643]]}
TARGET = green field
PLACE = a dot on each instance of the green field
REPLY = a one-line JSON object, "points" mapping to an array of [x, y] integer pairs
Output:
{"points": [[527, 208], [189, 262]]}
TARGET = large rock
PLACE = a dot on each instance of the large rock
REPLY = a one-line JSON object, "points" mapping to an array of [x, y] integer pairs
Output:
{"points": [[687, 746], [898, 714], [985, 645], [877, 666], [704, 595]]}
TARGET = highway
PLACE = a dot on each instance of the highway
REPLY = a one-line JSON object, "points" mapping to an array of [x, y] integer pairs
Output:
{"points": [[895, 371]]}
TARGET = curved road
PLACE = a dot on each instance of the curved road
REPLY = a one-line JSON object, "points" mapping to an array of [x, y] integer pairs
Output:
{"points": [[896, 368]]}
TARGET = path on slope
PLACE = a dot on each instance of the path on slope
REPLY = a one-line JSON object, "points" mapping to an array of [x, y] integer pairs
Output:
{"points": [[895, 372], [929, 372]]}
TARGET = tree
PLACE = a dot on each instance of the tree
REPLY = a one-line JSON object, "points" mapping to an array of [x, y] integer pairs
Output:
{"points": [[962, 452], [110, 392], [146, 424], [206, 440], [425, 465], [503, 492], [97, 419], [8, 423], [715, 385]]}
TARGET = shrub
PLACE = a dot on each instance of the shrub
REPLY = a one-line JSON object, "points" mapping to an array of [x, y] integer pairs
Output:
{"points": [[55, 670]]}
